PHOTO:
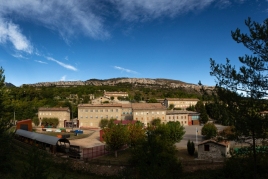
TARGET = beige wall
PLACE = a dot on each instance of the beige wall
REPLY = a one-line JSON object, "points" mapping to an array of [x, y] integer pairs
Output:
{"points": [[146, 116], [182, 103], [90, 115], [182, 118], [60, 114]]}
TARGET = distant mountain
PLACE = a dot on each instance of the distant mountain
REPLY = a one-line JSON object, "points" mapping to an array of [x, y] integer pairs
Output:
{"points": [[9, 85], [134, 82]]}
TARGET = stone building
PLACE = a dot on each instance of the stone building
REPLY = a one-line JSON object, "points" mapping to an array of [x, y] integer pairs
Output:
{"points": [[90, 115], [146, 112], [210, 149], [62, 113], [186, 118], [115, 94], [181, 103]]}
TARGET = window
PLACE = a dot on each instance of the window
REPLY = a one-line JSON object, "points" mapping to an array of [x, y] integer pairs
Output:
{"points": [[91, 110], [86, 110], [101, 110], [181, 117], [106, 110], [206, 147], [91, 116], [96, 117], [96, 110], [116, 110]]}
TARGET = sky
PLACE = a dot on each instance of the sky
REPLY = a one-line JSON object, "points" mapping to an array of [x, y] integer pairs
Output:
{"points": [[70, 40]]}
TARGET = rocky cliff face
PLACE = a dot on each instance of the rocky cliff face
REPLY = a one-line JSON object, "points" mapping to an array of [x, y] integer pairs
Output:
{"points": [[135, 82]]}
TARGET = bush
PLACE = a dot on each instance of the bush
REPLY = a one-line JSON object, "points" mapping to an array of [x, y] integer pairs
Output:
{"points": [[209, 130], [190, 147]]}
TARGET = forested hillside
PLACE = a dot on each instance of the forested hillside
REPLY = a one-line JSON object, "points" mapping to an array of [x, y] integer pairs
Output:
{"points": [[24, 101]]}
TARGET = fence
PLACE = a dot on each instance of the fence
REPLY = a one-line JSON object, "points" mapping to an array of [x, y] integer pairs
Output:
{"points": [[93, 152]]}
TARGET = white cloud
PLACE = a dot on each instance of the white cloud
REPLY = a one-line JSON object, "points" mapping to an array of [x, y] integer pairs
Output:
{"points": [[19, 56], [68, 17], [125, 70], [11, 33], [150, 9], [69, 67], [63, 78], [39, 61]]}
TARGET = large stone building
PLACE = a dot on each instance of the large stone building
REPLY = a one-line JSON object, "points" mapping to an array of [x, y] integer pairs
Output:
{"points": [[115, 94], [62, 113], [180, 103], [90, 115], [184, 117], [146, 112]]}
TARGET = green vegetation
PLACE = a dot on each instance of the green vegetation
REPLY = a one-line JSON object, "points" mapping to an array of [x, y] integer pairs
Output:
{"points": [[209, 130], [243, 91], [116, 136], [50, 122], [190, 147]]}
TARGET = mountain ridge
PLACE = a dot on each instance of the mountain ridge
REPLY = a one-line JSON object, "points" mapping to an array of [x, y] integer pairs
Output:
{"points": [[145, 82]]}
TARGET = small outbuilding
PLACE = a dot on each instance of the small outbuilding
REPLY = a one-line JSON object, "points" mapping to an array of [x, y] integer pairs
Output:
{"points": [[210, 149]]}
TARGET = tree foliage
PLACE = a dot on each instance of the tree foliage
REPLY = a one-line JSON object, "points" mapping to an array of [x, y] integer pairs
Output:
{"points": [[155, 156], [200, 107], [190, 147], [209, 130], [116, 136], [54, 122], [244, 89], [104, 123]]}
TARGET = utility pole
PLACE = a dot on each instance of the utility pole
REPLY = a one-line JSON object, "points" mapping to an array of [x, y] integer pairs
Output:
{"points": [[196, 131]]}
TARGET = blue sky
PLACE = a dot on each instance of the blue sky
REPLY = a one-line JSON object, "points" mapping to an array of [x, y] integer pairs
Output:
{"points": [[66, 40]]}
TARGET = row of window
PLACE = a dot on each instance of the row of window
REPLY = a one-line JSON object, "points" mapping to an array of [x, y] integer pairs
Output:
{"points": [[176, 117], [99, 110], [49, 113], [144, 113], [97, 117]]}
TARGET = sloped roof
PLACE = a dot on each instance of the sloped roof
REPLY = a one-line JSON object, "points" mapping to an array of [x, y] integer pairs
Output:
{"points": [[170, 112], [182, 99], [101, 105], [54, 109], [155, 106], [223, 143], [40, 137]]}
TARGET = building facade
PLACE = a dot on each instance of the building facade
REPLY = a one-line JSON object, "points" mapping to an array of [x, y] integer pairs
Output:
{"points": [[90, 115], [146, 112], [181, 103], [62, 113], [210, 149]]}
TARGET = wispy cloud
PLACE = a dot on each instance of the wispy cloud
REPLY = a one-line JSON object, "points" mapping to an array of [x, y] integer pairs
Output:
{"points": [[125, 70], [69, 67], [39, 61], [140, 10], [19, 56], [11, 33], [63, 78], [68, 17]]}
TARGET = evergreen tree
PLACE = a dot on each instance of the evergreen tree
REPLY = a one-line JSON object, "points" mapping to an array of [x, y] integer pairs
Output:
{"points": [[243, 90], [190, 147]]}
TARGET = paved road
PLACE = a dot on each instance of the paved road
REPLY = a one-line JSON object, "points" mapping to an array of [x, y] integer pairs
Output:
{"points": [[193, 133], [88, 142]]}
